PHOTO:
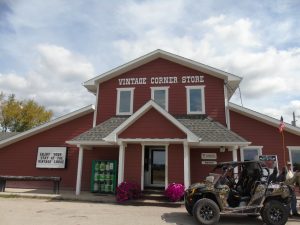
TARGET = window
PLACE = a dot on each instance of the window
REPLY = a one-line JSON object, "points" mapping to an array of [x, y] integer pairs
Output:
{"points": [[294, 152], [195, 100], [250, 153], [160, 95], [125, 101]]}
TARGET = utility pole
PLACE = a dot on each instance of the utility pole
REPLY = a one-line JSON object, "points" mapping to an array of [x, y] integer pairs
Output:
{"points": [[294, 120]]}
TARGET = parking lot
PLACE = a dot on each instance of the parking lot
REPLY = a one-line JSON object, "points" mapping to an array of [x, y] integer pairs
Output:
{"points": [[14, 211]]}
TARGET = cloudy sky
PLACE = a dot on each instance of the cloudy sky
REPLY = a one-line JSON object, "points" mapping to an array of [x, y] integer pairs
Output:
{"points": [[49, 48]]}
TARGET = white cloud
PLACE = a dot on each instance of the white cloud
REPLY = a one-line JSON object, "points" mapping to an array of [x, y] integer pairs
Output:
{"points": [[54, 81]]}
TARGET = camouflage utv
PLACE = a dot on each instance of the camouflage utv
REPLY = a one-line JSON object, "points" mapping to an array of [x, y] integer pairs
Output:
{"points": [[248, 192]]}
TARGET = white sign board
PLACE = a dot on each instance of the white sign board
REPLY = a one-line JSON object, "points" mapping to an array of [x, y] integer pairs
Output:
{"points": [[51, 157], [208, 155], [209, 162]]}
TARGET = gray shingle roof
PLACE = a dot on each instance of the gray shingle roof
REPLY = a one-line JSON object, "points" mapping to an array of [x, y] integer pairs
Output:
{"points": [[208, 129], [100, 131], [204, 127], [5, 135]]}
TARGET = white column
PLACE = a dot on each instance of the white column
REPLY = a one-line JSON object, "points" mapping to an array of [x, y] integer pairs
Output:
{"points": [[186, 162], [234, 157], [121, 163], [79, 170], [166, 166], [142, 167]]}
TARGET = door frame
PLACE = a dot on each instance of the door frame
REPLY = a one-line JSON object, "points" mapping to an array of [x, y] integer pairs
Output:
{"points": [[157, 146]]}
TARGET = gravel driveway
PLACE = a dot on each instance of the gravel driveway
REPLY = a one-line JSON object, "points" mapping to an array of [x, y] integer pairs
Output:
{"points": [[15, 211]]}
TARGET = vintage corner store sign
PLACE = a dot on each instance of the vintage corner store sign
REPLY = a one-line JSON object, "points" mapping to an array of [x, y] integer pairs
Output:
{"points": [[51, 157]]}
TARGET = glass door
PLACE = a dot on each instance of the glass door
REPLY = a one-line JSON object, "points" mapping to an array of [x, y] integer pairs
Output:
{"points": [[158, 159]]}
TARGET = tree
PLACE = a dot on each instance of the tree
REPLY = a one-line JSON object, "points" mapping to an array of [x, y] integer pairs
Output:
{"points": [[19, 116]]}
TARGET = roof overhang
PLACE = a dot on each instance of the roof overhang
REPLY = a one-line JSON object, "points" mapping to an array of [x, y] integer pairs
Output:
{"points": [[46, 126], [263, 118], [230, 79], [113, 136]]}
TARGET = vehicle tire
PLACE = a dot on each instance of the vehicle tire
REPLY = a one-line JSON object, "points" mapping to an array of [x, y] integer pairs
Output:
{"points": [[188, 209], [206, 211], [274, 213]]}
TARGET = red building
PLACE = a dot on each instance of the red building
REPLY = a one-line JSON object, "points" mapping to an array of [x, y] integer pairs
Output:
{"points": [[162, 117]]}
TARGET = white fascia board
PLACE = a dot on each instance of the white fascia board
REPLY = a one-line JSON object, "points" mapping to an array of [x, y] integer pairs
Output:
{"points": [[232, 79], [112, 137], [48, 125], [152, 140], [91, 143], [263, 118], [218, 144]]}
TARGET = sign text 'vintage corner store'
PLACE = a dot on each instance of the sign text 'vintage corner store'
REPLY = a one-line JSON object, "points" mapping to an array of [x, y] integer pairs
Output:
{"points": [[189, 79]]}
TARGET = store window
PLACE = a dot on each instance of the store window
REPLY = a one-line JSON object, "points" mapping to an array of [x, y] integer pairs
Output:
{"points": [[250, 153], [125, 101], [195, 100], [160, 95], [294, 153]]}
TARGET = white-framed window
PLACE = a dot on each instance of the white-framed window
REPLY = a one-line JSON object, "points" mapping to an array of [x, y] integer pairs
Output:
{"points": [[161, 96], [125, 101], [251, 153], [294, 154], [195, 99]]}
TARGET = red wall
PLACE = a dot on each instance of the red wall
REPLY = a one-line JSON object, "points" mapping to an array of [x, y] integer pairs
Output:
{"points": [[152, 125], [214, 90], [199, 171], [261, 134], [20, 158], [132, 165], [175, 164]]}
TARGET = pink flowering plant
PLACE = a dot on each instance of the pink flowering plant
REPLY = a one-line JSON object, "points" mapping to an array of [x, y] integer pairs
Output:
{"points": [[175, 192], [127, 191]]}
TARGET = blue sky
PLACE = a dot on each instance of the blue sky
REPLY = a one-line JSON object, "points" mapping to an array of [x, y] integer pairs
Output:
{"points": [[49, 48]]}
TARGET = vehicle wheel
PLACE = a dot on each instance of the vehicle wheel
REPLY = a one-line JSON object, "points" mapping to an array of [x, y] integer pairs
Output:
{"points": [[274, 213], [188, 209], [206, 211]]}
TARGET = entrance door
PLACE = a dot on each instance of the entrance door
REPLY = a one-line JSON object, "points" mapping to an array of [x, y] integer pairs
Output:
{"points": [[155, 159]]}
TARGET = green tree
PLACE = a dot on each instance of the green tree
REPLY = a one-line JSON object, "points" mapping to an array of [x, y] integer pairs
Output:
{"points": [[19, 116]]}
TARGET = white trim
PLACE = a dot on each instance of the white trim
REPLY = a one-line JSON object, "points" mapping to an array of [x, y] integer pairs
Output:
{"points": [[121, 163], [142, 167], [258, 148], [112, 137], [199, 87], [91, 143], [152, 141], [233, 80], [227, 113], [166, 89], [131, 101], [292, 148], [79, 170], [263, 118], [218, 144], [46, 126], [96, 108], [166, 166], [186, 163]]}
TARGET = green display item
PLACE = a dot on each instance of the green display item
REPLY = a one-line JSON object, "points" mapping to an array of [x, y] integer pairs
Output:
{"points": [[104, 176]]}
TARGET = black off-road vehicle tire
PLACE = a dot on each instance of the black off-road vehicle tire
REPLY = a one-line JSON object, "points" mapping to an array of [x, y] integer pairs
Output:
{"points": [[274, 213], [206, 211], [188, 209]]}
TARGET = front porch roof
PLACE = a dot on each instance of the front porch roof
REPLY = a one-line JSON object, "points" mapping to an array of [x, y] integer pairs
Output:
{"points": [[205, 129]]}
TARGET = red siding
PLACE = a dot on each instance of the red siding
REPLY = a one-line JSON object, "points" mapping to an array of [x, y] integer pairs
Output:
{"points": [[175, 164], [152, 125], [261, 134], [132, 165], [214, 90], [20, 158], [199, 171]]}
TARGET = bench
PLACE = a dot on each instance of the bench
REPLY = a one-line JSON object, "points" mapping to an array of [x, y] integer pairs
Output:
{"points": [[56, 181]]}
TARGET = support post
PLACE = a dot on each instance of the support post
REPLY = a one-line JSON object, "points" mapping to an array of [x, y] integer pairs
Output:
{"points": [[234, 157], [186, 161], [79, 170], [142, 167], [166, 166], [121, 163]]}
